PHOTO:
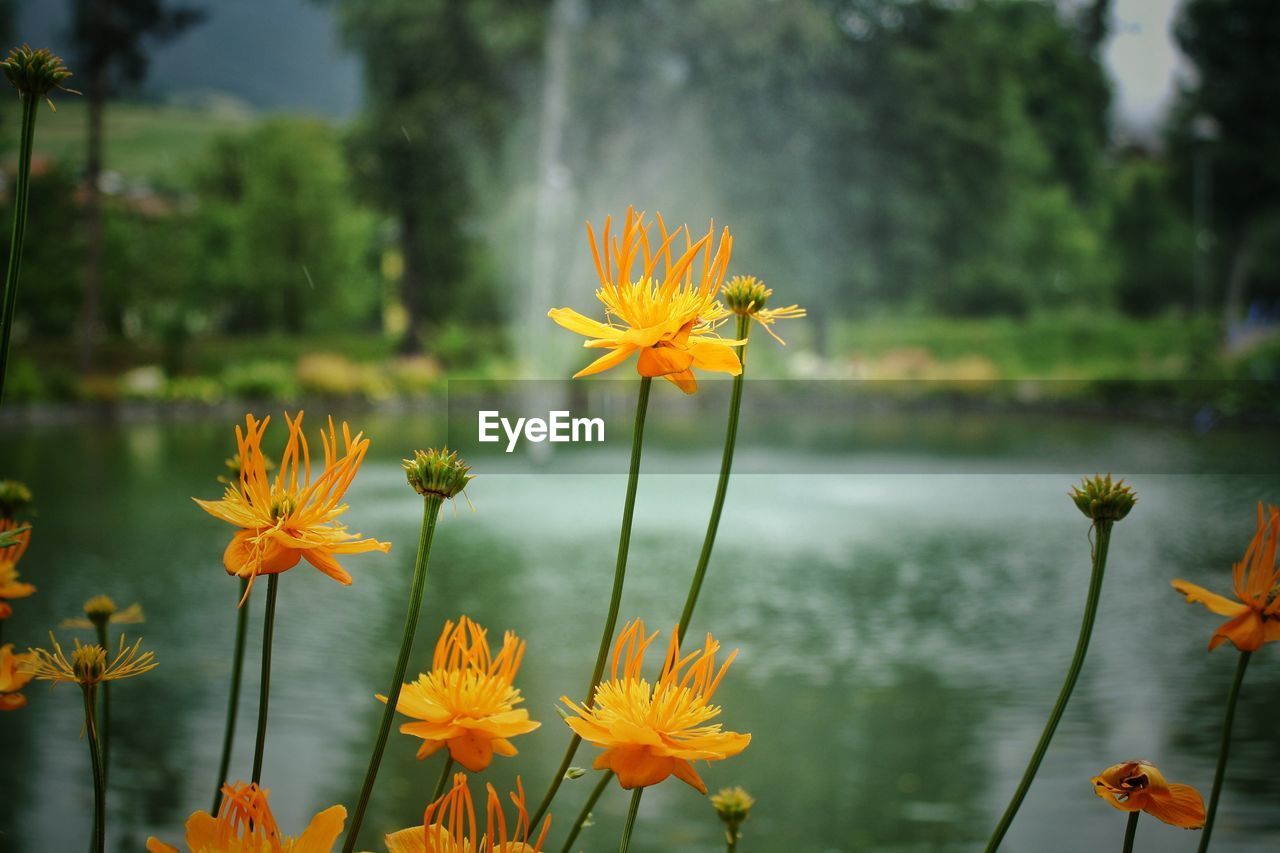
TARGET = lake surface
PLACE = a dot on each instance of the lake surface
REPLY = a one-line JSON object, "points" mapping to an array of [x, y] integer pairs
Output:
{"points": [[905, 595]]}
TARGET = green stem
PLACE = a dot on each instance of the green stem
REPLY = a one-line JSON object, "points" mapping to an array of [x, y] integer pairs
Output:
{"points": [[444, 779], [99, 775], [631, 820], [722, 487], [431, 512], [106, 706], [615, 600], [264, 686], [21, 197], [1102, 528], [586, 810], [1223, 751], [1130, 832], [233, 701]]}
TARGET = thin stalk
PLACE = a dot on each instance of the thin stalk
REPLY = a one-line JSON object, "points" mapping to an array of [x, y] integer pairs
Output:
{"points": [[444, 779], [21, 197], [586, 810], [1130, 832], [1223, 751], [99, 775], [430, 513], [615, 600], [722, 487], [1102, 528], [106, 707], [631, 820], [233, 701], [733, 844], [264, 686]]}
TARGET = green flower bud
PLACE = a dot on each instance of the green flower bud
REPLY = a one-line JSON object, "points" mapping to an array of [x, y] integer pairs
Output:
{"points": [[35, 72], [574, 773], [437, 472], [1103, 500], [14, 497], [733, 805], [745, 294]]}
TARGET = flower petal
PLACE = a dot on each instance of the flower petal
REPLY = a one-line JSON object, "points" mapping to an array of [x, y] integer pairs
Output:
{"points": [[575, 322], [411, 840], [322, 832], [325, 562], [720, 358], [660, 361], [1182, 806], [606, 361], [1219, 604]]}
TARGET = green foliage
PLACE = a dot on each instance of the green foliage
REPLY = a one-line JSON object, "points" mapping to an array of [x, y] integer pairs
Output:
{"points": [[284, 247]]}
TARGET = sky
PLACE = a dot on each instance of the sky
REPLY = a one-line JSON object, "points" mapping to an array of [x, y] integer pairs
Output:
{"points": [[299, 63]]}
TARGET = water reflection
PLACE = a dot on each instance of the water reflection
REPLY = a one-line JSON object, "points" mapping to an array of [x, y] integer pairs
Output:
{"points": [[902, 637]]}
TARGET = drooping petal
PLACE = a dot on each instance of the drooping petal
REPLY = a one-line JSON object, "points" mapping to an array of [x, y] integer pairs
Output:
{"points": [[325, 562], [719, 358], [1218, 604], [637, 766], [606, 361], [473, 750], [660, 361], [244, 556], [684, 380], [684, 772], [1247, 632], [1181, 806]]}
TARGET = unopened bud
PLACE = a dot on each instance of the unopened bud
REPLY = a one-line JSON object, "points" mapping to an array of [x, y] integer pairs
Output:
{"points": [[437, 472], [1103, 500]]}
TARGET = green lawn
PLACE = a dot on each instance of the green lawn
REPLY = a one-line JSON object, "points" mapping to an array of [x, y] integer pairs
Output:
{"points": [[142, 141]]}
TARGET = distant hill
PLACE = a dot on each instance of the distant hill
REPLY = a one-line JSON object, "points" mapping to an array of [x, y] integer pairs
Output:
{"points": [[270, 54]]}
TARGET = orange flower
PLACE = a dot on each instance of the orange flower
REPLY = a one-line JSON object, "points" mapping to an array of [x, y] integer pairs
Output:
{"points": [[292, 517], [13, 678], [449, 825], [467, 701], [650, 732], [1255, 617], [10, 586], [245, 825], [669, 321], [1138, 786]]}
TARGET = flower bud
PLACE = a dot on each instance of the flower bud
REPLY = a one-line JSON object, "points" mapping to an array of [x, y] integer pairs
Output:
{"points": [[733, 805], [14, 497], [89, 663], [574, 773], [34, 72], [99, 609], [437, 472], [1103, 500], [745, 294]]}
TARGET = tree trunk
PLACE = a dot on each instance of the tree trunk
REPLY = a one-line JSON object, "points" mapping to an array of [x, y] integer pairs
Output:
{"points": [[412, 289], [1242, 251], [91, 299]]}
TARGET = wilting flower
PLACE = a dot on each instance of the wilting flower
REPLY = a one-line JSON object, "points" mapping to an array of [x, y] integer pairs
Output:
{"points": [[101, 610], [88, 665], [746, 296], [292, 517], [10, 586], [467, 701], [449, 825], [650, 732], [1139, 786], [669, 321], [1255, 616], [13, 677], [245, 825]]}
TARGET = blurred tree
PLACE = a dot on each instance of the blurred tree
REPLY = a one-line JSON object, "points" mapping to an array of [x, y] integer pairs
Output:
{"points": [[441, 78], [1150, 238], [1231, 45], [111, 37], [282, 246]]}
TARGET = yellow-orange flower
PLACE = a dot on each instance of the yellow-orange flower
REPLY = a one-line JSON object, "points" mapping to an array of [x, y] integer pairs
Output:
{"points": [[10, 586], [669, 321], [449, 825], [1255, 616], [467, 701], [14, 676], [650, 732], [245, 825], [1139, 786], [292, 517]]}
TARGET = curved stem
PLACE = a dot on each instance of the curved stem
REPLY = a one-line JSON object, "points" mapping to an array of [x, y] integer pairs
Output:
{"points": [[233, 701], [99, 776], [722, 486], [615, 600], [21, 197], [1103, 530], [1223, 751], [106, 707], [444, 779], [1130, 832], [631, 820], [586, 810], [264, 686], [430, 513]]}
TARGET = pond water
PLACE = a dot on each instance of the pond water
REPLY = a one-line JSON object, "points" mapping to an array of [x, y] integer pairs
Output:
{"points": [[905, 596]]}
